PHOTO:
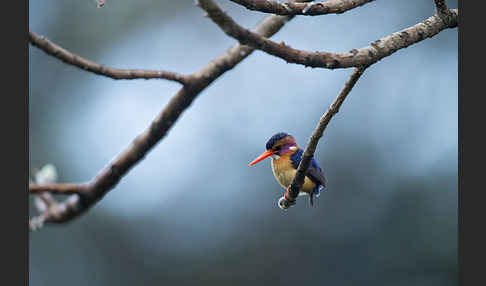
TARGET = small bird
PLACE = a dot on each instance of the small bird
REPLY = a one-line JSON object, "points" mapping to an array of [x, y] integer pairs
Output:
{"points": [[286, 156]]}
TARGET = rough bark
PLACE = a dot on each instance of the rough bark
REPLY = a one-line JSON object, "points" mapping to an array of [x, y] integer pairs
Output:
{"points": [[354, 58], [307, 9]]}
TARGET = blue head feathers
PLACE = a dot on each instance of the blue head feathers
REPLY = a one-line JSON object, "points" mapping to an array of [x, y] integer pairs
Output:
{"points": [[275, 138]]}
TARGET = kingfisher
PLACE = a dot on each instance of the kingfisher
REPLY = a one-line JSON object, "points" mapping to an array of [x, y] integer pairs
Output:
{"points": [[286, 156]]}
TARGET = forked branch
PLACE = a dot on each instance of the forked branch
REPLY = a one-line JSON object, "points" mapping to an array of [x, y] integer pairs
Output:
{"points": [[87, 194], [354, 58]]}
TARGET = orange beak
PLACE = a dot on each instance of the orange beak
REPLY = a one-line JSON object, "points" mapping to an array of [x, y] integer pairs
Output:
{"points": [[265, 154]]}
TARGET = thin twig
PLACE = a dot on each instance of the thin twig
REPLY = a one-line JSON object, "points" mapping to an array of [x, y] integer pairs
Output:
{"points": [[316, 135], [88, 194], [354, 58], [85, 64], [308, 9], [66, 189], [45, 204]]}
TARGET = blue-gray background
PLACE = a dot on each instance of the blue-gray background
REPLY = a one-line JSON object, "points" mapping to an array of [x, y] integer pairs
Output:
{"points": [[192, 212]]}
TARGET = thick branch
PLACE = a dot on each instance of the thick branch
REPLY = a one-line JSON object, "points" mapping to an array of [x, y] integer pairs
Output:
{"points": [[309, 9], [316, 135], [85, 64], [354, 58], [109, 176]]}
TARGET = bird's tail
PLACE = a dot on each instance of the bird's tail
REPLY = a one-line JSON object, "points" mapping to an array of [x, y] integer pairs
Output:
{"points": [[316, 192]]}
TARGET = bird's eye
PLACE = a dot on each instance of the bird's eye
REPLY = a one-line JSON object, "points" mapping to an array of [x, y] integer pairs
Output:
{"points": [[278, 148]]}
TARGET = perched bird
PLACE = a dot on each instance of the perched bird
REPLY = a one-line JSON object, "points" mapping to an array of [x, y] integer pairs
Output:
{"points": [[286, 156]]}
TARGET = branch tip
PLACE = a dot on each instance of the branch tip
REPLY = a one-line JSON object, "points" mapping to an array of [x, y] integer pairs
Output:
{"points": [[66, 56]]}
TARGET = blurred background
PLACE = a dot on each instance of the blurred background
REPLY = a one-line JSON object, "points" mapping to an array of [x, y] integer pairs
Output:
{"points": [[193, 212]]}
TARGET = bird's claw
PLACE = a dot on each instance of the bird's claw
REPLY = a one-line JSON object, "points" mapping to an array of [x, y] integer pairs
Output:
{"points": [[281, 204], [284, 206]]}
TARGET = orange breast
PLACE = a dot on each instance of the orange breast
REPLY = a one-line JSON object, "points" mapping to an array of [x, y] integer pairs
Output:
{"points": [[284, 172]]}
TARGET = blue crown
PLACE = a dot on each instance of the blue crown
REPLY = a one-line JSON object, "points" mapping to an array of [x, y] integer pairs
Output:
{"points": [[275, 138]]}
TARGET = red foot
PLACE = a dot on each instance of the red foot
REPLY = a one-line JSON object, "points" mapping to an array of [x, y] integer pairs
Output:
{"points": [[287, 192]]}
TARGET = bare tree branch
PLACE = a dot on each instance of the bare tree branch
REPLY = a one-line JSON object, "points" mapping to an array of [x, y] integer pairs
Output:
{"points": [[84, 195], [66, 189], [308, 9], [85, 64], [298, 180], [354, 58], [88, 194], [44, 201]]}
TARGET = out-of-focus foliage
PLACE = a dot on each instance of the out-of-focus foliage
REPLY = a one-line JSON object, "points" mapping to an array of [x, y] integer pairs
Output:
{"points": [[192, 212]]}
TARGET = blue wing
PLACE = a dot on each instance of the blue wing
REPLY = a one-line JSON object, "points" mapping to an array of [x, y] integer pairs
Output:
{"points": [[314, 172]]}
